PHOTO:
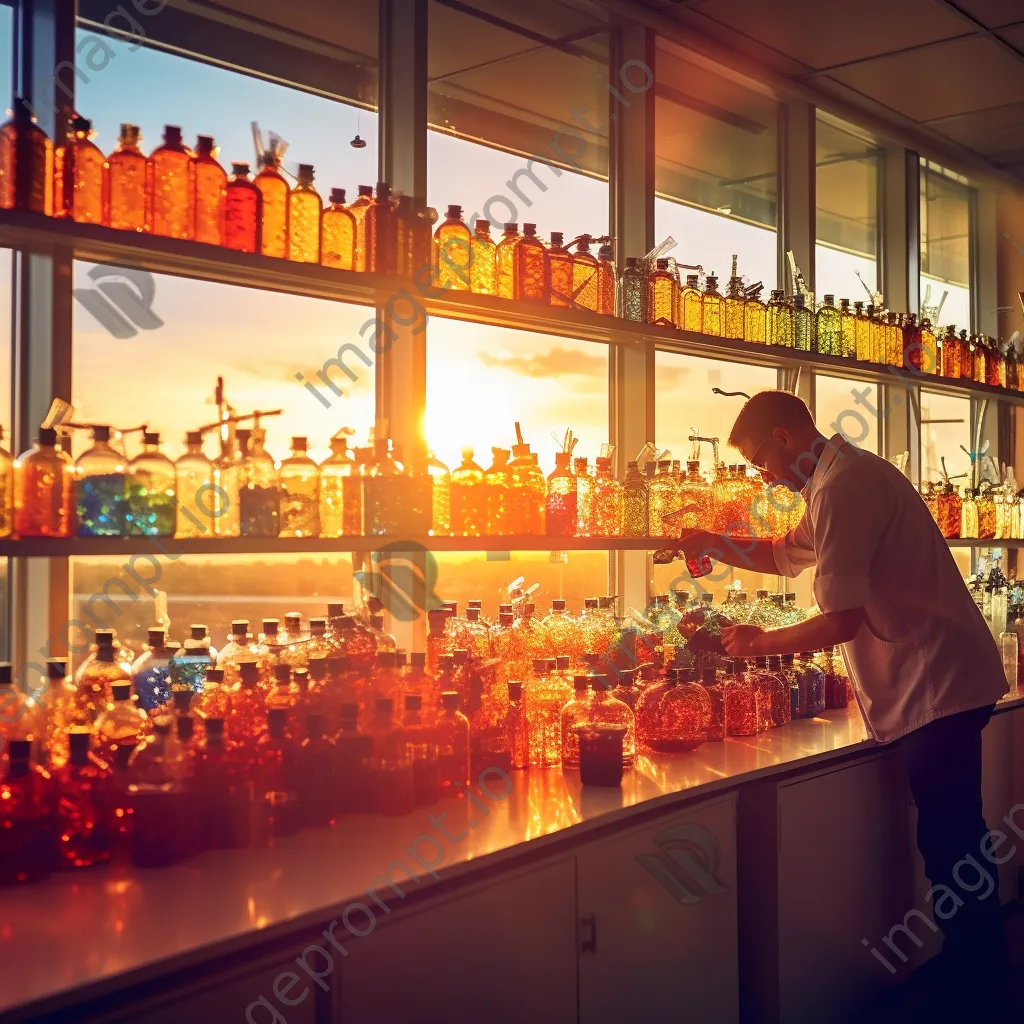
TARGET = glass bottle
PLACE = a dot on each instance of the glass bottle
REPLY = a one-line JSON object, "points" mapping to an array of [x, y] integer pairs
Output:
{"points": [[304, 211], [192, 661], [755, 321], [780, 328], [663, 499], [986, 516], [574, 713], [691, 305], [607, 519], [151, 491], [560, 266], [929, 361], [259, 497], [383, 489], [64, 710], [876, 334], [515, 726], [440, 497], [243, 209], [194, 481], [712, 311], [695, 498], [995, 365], [225, 497], [381, 228], [333, 473], [275, 206], [120, 727], [359, 207], [482, 269], [911, 346], [976, 347], [210, 184], [151, 673], [532, 275], [107, 664], [605, 709], [803, 324], [584, 276], [126, 175], [949, 363], [545, 697], [468, 498], [561, 501], [861, 334], [893, 340], [673, 714], [421, 745], [100, 488], [7, 499], [847, 330], [527, 493], [85, 805], [170, 187], [662, 296], [338, 233], [28, 807], [414, 237], [88, 190], [223, 791], [632, 293], [453, 252], [26, 162], [274, 778], [829, 328], [606, 282], [159, 803], [734, 304], [452, 737], [634, 501], [498, 483], [505, 260], [969, 524], [300, 493], [584, 497]]}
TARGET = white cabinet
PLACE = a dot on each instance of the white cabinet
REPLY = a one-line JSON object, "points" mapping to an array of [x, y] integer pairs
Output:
{"points": [[504, 952], [658, 931]]}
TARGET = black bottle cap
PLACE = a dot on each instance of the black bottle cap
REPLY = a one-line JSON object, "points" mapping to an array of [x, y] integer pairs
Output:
{"points": [[79, 741], [121, 691], [557, 237], [249, 672], [194, 437], [318, 626], [172, 134], [450, 700], [105, 653], [271, 626], [337, 664], [558, 604], [182, 701], [512, 228], [5, 673], [184, 728], [385, 705], [562, 662], [663, 265], [461, 656], [335, 609], [338, 196], [104, 638], [47, 437], [204, 144], [316, 724], [515, 689], [239, 627], [581, 682], [708, 676], [761, 662], [413, 702], [530, 229], [306, 172], [101, 433], [151, 437], [56, 668], [454, 213], [366, 190], [348, 712], [21, 750], [600, 682], [215, 675], [157, 636], [283, 674], [298, 444], [240, 169], [386, 659]]}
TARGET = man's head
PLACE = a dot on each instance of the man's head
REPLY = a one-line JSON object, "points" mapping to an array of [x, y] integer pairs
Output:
{"points": [[775, 432]]}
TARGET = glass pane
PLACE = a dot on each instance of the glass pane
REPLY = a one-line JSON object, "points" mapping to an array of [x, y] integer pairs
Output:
{"points": [[715, 169], [5, 610], [519, 106], [847, 407], [945, 247], [847, 197], [945, 426], [6, 53], [6, 349]]}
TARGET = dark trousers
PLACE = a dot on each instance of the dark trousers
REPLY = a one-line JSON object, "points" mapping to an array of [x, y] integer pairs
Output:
{"points": [[943, 762]]}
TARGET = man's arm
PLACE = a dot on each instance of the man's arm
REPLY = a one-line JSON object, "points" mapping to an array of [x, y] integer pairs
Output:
{"points": [[820, 631], [742, 552]]}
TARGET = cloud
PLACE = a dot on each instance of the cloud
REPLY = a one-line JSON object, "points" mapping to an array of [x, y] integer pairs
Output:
{"points": [[555, 362]]}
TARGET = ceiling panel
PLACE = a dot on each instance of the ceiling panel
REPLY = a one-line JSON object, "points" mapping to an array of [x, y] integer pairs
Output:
{"points": [[993, 13], [871, 27], [1015, 35], [909, 82], [992, 131]]}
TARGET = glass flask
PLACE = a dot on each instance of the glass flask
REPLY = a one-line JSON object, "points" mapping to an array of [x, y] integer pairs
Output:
{"points": [[505, 261], [151, 672], [876, 334], [606, 281], [83, 178], [274, 778], [359, 207], [259, 497], [300, 493], [803, 325], [584, 276], [531, 273], [441, 497], [120, 727], [560, 267], [663, 499], [862, 333], [498, 482], [608, 513], [584, 497], [691, 305], [26, 162], [210, 184], [673, 714], [100, 488], [574, 713], [333, 473], [847, 330], [337, 233], [734, 305], [633, 293], [483, 272], [126, 176], [516, 728], [194, 480], [451, 734], [893, 340], [28, 807], [828, 333], [170, 187], [150, 492], [453, 252], [381, 232], [662, 295], [634, 502], [561, 500], [608, 710], [712, 308], [780, 326], [274, 208], [527, 493], [243, 210], [85, 805], [7, 500], [304, 211]]}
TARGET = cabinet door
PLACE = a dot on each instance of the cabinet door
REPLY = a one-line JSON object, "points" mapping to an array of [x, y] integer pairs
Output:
{"points": [[504, 953], [658, 931], [844, 876]]}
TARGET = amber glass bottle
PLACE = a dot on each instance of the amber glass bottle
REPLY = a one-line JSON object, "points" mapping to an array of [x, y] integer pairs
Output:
{"points": [[532, 276], [338, 234], [877, 335], [452, 252], [304, 210], [847, 330], [560, 262], [712, 312], [381, 257], [43, 478], [170, 187], [584, 276], [358, 208], [691, 305], [468, 498], [210, 183], [862, 333], [274, 213], [755, 321], [505, 261], [734, 306], [498, 481], [482, 271], [606, 283], [243, 205], [929, 348], [26, 163], [893, 340], [951, 353], [87, 191], [127, 180], [662, 295], [561, 500]]}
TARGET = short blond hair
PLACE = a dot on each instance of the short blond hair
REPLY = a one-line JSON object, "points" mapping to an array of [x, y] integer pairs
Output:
{"points": [[764, 412]]}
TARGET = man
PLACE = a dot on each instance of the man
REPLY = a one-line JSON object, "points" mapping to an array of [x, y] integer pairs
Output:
{"points": [[921, 659]]}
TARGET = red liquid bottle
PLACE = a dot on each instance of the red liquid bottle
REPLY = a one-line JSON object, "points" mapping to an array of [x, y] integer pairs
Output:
{"points": [[274, 778], [222, 794], [452, 736], [422, 747], [717, 726], [170, 187], [353, 755], [159, 802], [393, 791], [27, 818], [209, 192], [247, 715], [243, 209], [316, 774], [85, 807]]}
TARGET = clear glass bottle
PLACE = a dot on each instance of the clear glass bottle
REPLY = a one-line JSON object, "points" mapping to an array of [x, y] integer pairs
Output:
{"points": [[333, 474], [574, 713], [150, 492], [712, 308], [127, 168], [243, 208], [584, 276], [691, 305], [497, 481], [662, 296], [359, 207], [274, 208], [828, 334], [561, 500], [695, 498], [803, 325], [191, 662], [453, 252], [663, 499], [170, 187], [85, 806], [532, 275], [780, 321], [80, 177], [194, 484], [26, 162], [735, 306], [100, 485], [632, 293], [305, 208], [560, 266], [634, 500], [224, 499], [259, 496], [210, 192], [120, 727], [483, 279], [338, 233], [607, 519], [505, 261], [299, 479]]}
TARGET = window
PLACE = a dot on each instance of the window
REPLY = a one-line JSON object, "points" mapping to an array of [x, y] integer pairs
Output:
{"points": [[847, 197], [945, 426], [847, 407], [946, 225], [715, 170], [520, 113]]}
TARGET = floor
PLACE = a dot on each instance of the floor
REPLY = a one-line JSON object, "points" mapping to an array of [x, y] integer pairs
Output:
{"points": [[926, 995]]}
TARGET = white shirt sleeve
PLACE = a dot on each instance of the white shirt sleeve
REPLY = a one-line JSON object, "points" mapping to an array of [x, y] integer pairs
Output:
{"points": [[847, 532], [794, 552]]}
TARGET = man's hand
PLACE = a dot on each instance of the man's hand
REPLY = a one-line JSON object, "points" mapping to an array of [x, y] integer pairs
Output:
{"points": [[740, 641]]}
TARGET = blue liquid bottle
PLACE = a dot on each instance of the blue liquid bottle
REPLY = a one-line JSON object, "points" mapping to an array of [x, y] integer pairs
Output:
{"points": [[188, 666], [151, 672], [100, 488]]}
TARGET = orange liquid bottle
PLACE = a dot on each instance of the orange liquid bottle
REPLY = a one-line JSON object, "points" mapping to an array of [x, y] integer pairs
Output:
{"points": [[127, 182], [505, 261], [483, 273], [560, 262], [381, 229], [606, 281], [43, 478], [584, 276], [26, 163], [243, 205], [83, 178], [210, 192], [452, 252], [532, 274], [358, 209], [304, 211], [662, 296], [170, 187], [274, 216], [338, 234]]}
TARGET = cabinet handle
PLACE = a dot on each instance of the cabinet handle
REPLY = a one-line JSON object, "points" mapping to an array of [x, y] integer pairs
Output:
{"points": [[589, 944]]}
